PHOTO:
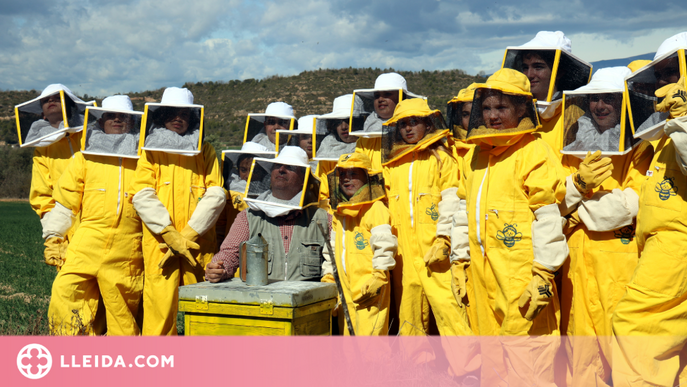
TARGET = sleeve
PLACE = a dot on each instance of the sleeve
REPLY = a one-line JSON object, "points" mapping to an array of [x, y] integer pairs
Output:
{"points": [[67, 197], [328, 255], [144, 197], [228, 254], [40, 195], [548, 242], [383, 243], [676, 129], [460, 240], [611, 210], [448, 185]]}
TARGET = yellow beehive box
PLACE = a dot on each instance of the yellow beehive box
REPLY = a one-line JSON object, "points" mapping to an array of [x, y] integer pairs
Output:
{"points": [[283, 308]]}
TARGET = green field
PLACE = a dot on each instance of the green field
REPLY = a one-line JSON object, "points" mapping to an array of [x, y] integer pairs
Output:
{"points": [[25, 280]]}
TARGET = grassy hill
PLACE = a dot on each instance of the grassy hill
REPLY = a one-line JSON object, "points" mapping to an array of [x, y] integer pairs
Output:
{"points": [[228, 102]]}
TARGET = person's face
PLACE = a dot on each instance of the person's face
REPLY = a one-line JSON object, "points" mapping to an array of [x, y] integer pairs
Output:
{"points": [[539, 74], [52, 109], [499, 112], [179, 120], [272, 124], [342, 131], [286, 181], [385, 103], [605, 109], [116, 123], [412, 129], [244, 168], [350, 180], [667, 71], [305, 142], [465, 114]]}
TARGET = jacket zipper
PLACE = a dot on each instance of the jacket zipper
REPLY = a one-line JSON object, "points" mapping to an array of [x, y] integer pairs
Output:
{"points": [[410, 190], [478, 210], [119, 189], [343, 244]]}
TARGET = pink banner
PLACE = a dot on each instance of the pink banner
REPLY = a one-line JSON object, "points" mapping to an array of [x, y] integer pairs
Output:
{"points": [[282, 361]]}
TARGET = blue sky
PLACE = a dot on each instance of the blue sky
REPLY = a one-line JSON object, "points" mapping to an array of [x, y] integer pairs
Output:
{"points": [[103, 47]]}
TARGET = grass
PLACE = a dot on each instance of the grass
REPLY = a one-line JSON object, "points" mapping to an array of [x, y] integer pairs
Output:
{"points": [[25, 280]]}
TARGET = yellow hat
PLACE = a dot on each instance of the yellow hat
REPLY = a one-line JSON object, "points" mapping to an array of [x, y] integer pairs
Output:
{"points": [[638, 64], [415, 107], [354, 160], [466, 94], [509, 81]]}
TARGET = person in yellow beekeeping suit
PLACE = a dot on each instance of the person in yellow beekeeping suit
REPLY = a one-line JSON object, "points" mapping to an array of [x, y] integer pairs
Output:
{"points": [[509, 232], [177, 191], [601, 202], [365, 248], [104, 258], [43, 126], [649, 320]]}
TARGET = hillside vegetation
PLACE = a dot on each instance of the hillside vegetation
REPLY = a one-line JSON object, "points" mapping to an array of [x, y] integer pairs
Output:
{"points": [[228, 102]]}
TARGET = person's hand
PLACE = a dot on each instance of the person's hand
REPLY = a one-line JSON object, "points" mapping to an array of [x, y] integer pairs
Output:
{"points": [[55, 251], [372, 288], [176, 245], [439, 251], [593, 170], [214, 272], [328, 278], [459, 281], [674, 99], [538, 293]]}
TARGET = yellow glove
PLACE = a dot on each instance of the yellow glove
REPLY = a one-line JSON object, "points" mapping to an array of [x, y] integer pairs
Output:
{"points": [[674, 99], [439, 252], [55, 251], [190, 234], [329, 278], [459, 279], [176, 245], [592, 172], [372, 288], [539, 292]]}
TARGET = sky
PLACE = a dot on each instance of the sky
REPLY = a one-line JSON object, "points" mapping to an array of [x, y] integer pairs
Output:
{"points": [[103, 47]]}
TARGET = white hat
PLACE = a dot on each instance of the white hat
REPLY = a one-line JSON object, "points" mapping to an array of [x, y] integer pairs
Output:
{"points": [[550, 39], [120, 103], [305, 125], [254, 147], [177, 96], [342, 108], [292, 155], [609, 79], [275, 109], [671, 44], [387, 82], [34, 106]]}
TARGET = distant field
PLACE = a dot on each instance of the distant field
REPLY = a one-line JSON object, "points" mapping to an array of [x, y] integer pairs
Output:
{"points": [[25, 280]]}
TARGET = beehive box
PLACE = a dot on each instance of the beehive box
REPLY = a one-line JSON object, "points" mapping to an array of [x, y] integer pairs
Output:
{"points": [[282, 308]]}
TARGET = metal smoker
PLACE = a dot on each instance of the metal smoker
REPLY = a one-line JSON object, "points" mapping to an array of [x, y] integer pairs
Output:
{"points": [[253, 255]]}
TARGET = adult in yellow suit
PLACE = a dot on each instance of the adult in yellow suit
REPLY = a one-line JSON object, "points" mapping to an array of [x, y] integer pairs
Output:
{"points": [[601, 201], [178, 193], [365, 247], [649, 320], [509, 232], [104, 259]]}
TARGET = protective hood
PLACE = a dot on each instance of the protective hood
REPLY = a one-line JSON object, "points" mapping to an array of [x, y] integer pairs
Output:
{"points": [[595, 116], [66, 113], [642, 84], [454, 111], [118, 116], [392, 82], [354, 172], [328, 144], [399, 138], [279, 115], [283, 184], [567, 72], [232, 168], [176, 103], [301, 137], [505, 87]]}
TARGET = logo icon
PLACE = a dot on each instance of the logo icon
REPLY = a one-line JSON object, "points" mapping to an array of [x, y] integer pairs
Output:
{"points": [[237, 200], [509, 235], [625, 234], [666, 188], [432, 212], [544, 291], [34, 361], [360, 242]]}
